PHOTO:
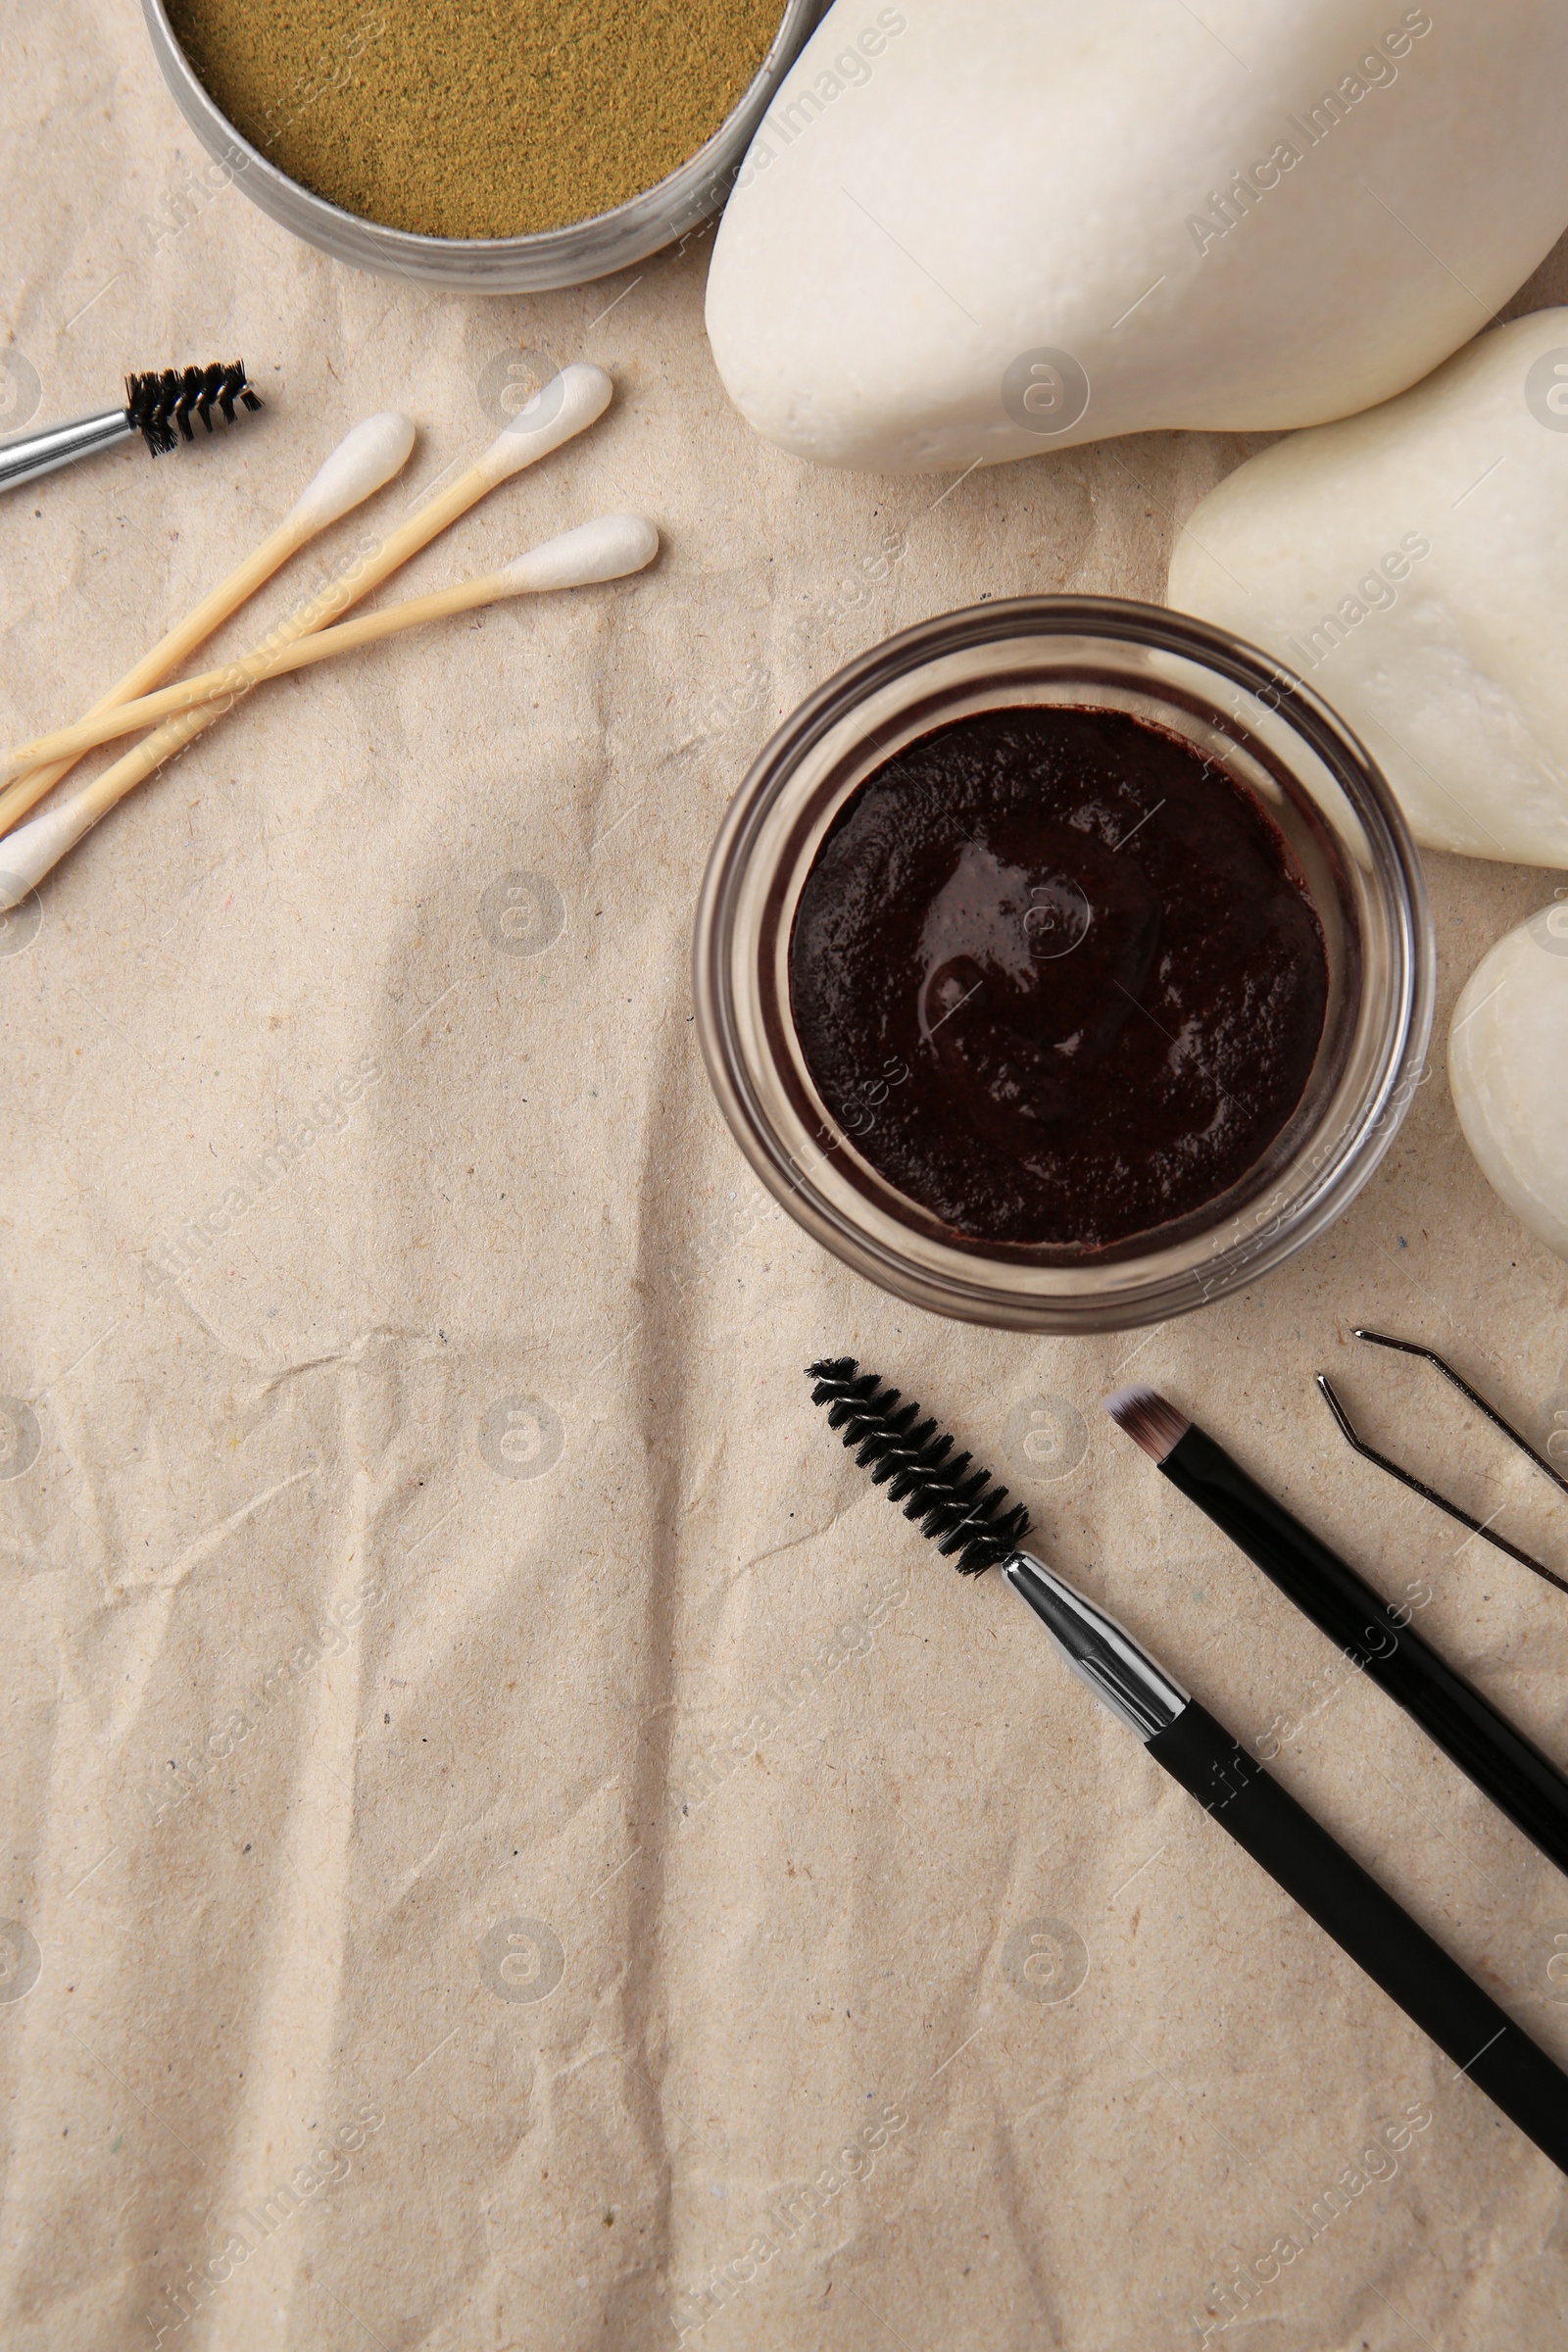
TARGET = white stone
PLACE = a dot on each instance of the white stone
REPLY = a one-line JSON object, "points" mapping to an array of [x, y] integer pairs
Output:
{"points": [[1508, 1071], [945, 192], [1412, 565]]}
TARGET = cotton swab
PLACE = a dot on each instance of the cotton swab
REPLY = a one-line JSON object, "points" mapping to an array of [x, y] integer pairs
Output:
{"points": [[566, 405], [606, 550], [363, 460]]}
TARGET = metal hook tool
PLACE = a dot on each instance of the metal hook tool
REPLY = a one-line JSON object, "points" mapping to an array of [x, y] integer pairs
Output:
{"points": [[1478, 1527]]}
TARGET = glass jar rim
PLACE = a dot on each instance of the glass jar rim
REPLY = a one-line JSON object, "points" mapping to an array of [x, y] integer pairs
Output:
{"points": [[990, 1287]]}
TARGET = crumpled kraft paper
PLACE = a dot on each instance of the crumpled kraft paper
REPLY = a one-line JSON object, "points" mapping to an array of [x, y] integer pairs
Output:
{"points": [[510, 1843]]}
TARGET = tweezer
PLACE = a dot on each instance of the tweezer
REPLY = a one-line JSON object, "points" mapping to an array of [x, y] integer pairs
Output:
{"points": [[1478, 1527]]}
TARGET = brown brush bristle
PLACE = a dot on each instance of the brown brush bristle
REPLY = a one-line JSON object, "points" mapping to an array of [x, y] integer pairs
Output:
{"points": [[1145, 1415]]}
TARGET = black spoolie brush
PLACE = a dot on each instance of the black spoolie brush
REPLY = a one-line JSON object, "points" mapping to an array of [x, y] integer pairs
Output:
{"points": [[165, 407], [1522, 1781], [957, 1509], [963, 1513]]}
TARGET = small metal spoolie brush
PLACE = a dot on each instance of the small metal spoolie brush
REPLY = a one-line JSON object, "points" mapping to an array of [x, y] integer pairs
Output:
{"points": [[963, 1513], [160, 407]]}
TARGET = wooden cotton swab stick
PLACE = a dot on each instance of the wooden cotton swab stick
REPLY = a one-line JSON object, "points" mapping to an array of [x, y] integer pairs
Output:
{"points": [[606, 550], [567, 404], [363, 460]]}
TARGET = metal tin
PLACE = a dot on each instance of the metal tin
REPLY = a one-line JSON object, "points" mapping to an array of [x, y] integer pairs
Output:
{"points": [[555, 257]]}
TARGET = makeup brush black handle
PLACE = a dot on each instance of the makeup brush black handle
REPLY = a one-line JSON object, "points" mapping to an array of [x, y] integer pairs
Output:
{"points": [[1300, 1857], [1525, 1784]]}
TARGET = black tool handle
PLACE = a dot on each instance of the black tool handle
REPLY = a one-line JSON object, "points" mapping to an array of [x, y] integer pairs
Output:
{"points": [[1300, 1857], [1525, 1785]]}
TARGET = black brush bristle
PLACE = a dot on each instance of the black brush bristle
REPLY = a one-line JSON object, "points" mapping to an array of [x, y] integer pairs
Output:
{"points": [[161, 406], [957, 1507]]}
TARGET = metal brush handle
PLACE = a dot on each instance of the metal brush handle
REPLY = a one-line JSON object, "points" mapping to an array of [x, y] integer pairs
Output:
{"points": [[33, 453], [1101, 1653]]}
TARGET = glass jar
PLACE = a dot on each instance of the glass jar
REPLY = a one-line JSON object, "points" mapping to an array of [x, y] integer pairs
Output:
{"points": [[1272, 735], [554, 257]]}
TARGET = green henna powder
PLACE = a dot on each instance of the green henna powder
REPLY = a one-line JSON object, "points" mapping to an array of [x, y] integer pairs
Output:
{"points": [[476, 118]]}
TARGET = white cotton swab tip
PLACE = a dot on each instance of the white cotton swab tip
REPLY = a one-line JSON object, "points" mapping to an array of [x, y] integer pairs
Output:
{"points": [[606, 550], [566, 405], [27, 854], [371, 455]]}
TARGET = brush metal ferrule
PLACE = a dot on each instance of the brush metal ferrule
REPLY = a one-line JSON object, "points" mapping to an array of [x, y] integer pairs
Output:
{"points": [[1121, 1676], [31, 454]]}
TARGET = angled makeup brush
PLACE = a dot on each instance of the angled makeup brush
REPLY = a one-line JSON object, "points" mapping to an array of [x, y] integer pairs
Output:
{"points": [[567, 404], [160, 407], [1522, 1781], [365, 460], [606, 550], [963, 1513]]}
